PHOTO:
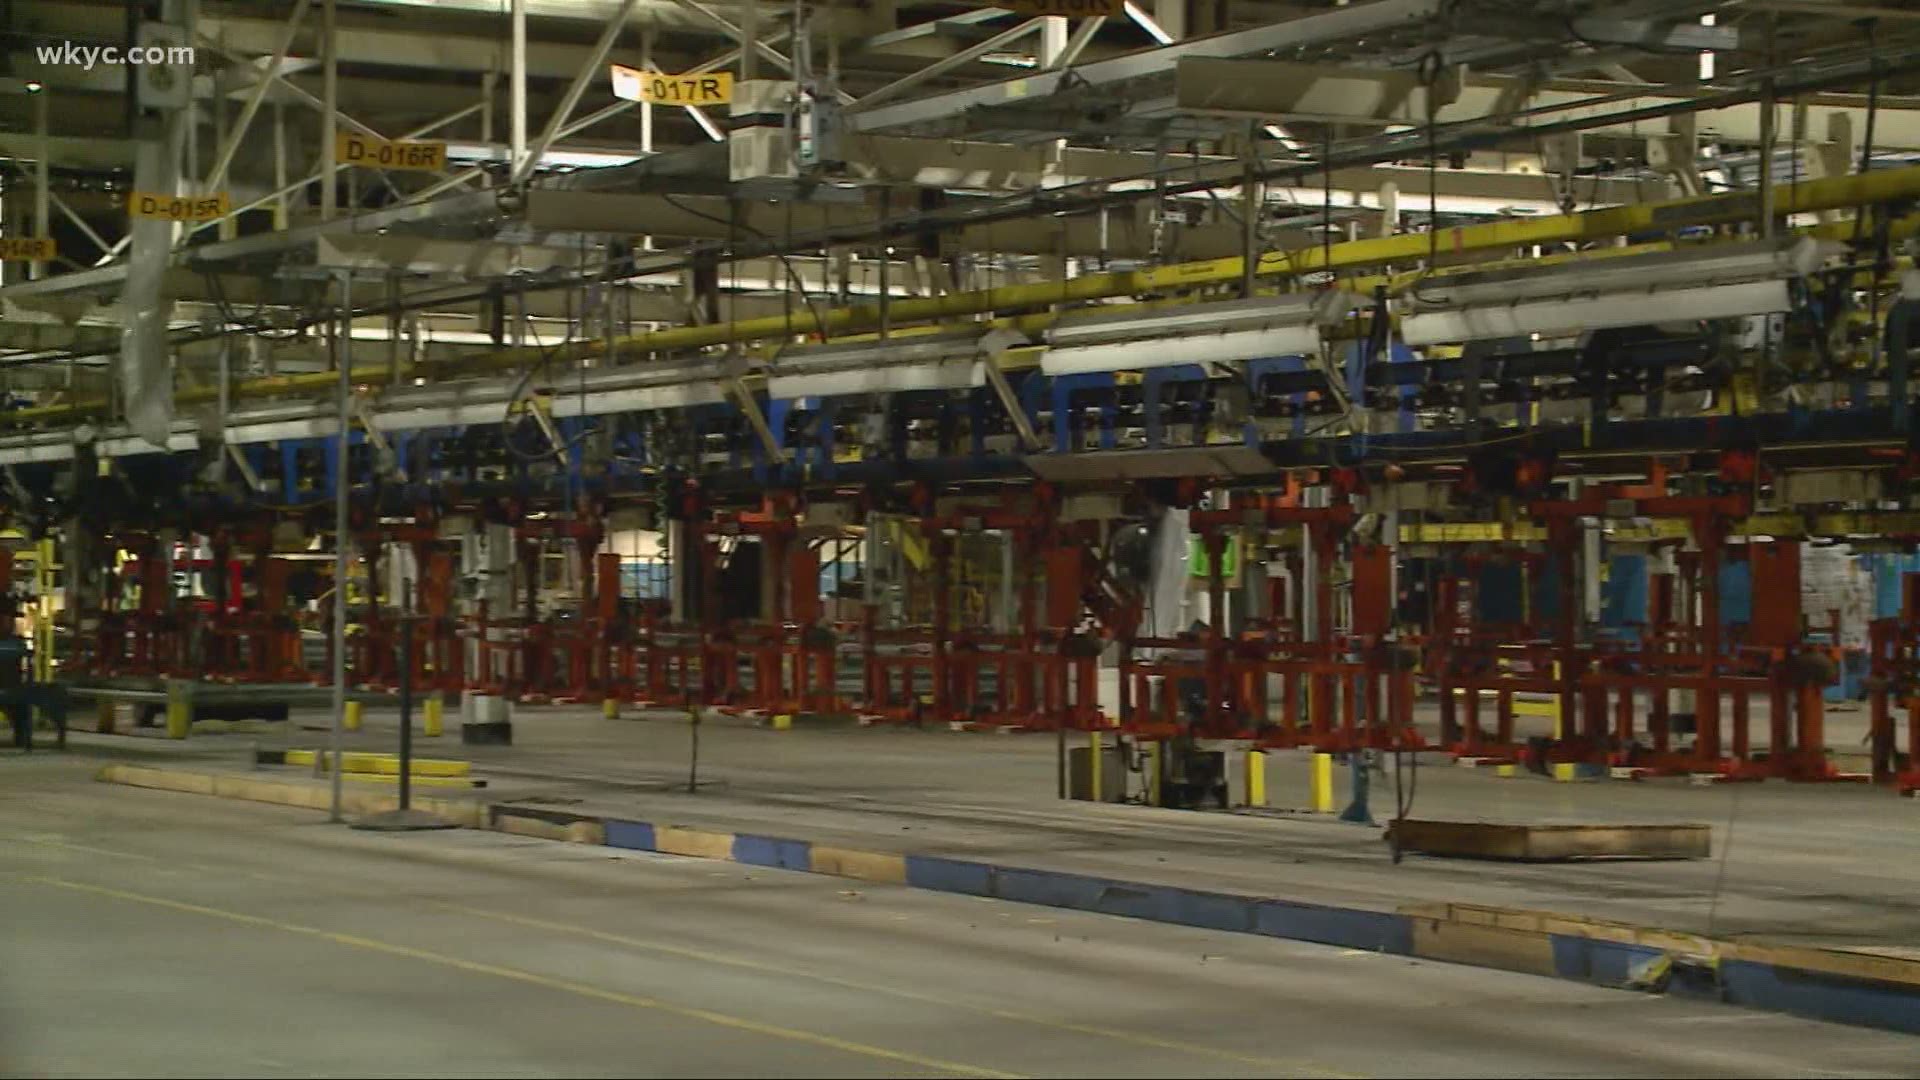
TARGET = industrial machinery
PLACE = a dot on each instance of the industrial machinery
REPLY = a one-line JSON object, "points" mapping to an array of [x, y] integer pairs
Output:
{"points": [[1348, 384]]}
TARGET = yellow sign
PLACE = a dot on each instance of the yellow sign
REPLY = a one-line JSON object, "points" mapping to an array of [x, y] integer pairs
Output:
{"points": [[368, 152], [145, 204], [1072, 9], [26, 248], [655, 88]]}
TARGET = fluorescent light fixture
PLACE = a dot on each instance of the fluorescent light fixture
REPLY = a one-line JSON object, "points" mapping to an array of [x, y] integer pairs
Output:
{"points": [[1707, 55], [1717, 282], [244, 432], [60, 447], [931, 362], [1202, 333], [583, 159], [642, 388], [636, 399], [936, 375]]}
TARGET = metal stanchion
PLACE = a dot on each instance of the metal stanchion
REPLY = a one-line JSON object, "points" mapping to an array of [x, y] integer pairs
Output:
{"points": [[405, 818]]}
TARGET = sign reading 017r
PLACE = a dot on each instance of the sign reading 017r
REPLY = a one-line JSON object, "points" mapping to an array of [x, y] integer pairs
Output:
{"points": [[656, 88]]}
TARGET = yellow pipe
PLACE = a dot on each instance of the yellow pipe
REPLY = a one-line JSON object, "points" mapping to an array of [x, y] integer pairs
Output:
{"points": [[1886, 185], [1880, 186]]}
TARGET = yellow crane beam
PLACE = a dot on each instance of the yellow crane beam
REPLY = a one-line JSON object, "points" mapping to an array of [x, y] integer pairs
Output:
{"points": [[1832, 193]]}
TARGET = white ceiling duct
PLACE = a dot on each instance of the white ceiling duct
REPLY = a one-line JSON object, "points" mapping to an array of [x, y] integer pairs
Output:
{"points": [[1203, 333], [1719, 282], [650, 388], [59, 446], [930, 362]]}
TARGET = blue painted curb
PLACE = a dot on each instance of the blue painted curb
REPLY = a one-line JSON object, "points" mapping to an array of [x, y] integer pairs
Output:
{"points": [[1836, 986], [1771, 987]]}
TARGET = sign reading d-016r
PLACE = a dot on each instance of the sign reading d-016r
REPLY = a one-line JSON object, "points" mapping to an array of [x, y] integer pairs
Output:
{"points": [[147, 204], [656, 88], [368, 152], [1072, 9], [26, 248]]}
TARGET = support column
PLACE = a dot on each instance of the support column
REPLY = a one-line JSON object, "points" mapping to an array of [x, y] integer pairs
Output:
{"points": [[517, 90], [329, 114], [280, 168], [487, 564], [42, 194]]}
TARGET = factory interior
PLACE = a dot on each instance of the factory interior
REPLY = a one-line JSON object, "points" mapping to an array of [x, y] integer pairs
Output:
{"points": [[1414, 503]]}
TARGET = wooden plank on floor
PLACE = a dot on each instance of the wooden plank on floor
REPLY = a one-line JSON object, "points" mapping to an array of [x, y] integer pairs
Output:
{"points": [[1551, 843]]}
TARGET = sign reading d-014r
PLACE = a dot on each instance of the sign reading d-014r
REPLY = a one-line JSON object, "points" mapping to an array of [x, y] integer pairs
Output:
{"points": [[656, 88], [147, 204], [368, 152], [26, 248]]}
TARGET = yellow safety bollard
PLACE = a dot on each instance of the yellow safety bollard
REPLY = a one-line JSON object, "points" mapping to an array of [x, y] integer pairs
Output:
{"points": [[1320, 783], [1093, 766], [1256, 778], [179, 714], [106, 716], [610, 708], [781, 721], [351, 721], [433, 724]]}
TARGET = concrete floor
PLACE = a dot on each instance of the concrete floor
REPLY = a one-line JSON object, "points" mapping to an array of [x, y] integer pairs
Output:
{"points": [[154, 934], [1831, 864]]}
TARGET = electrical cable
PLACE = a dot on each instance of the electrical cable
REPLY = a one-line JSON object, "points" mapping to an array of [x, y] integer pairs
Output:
{"points": [[1804, 75], [1429, 73], [786, 261]]}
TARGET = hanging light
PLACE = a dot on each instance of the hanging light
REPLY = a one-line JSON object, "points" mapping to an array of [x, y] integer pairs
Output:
{"points": [[1717, 282], [927, 362], [1287, 325]]}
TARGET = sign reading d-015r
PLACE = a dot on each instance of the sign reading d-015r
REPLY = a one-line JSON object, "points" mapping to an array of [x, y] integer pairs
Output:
{"points": [[147, 204], [656, 88], [368, 152]]}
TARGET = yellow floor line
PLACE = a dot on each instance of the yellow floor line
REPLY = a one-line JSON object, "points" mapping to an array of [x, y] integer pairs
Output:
{"points": [[563, 985], [1277, 1065]]}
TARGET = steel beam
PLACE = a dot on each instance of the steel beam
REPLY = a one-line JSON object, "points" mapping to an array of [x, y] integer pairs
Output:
{"points": [[526, 157], [1286, 90], [1329, 26], [1878, 187], [1126, 235], [940, 67], [256, 94], [886, 39]]}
